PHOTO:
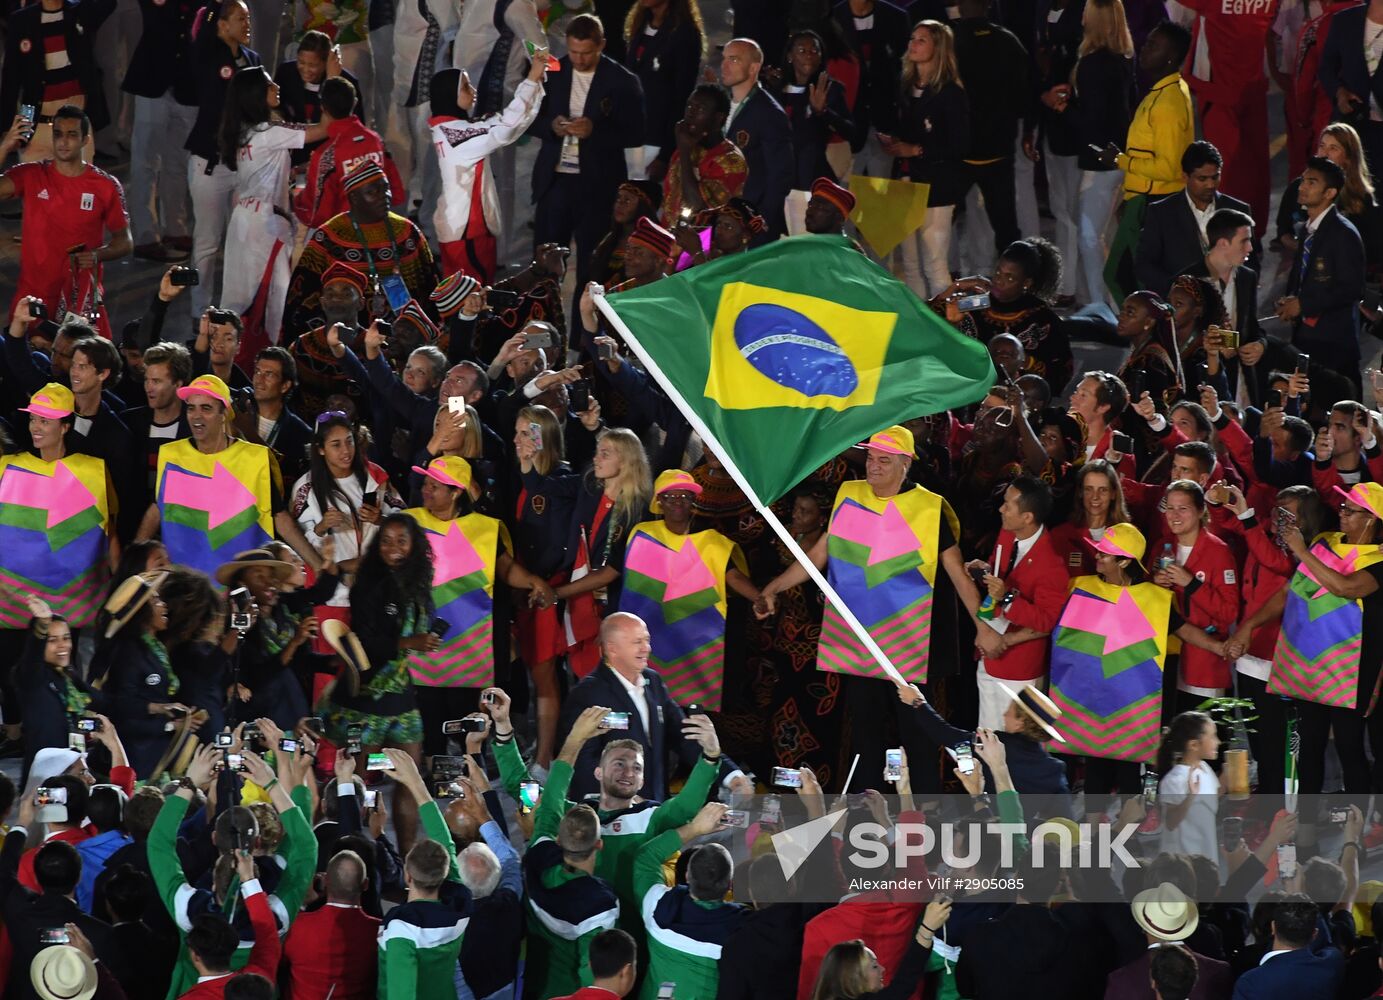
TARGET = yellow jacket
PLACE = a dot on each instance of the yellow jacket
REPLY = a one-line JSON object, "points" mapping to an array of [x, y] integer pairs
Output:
{"points": [[1162, 127]]}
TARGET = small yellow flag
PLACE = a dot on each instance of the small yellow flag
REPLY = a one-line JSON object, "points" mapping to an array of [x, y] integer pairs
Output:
{"points": [[887, 211]]}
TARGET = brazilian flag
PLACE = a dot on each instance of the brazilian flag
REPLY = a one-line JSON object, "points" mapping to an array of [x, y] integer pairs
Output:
{"points": [[793, 352]]}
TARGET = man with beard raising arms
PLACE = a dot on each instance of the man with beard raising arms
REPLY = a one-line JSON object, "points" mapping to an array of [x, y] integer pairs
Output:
{"points": [[627, 821]]}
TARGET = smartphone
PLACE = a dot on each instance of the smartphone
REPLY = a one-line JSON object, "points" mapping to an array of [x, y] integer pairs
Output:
{"points": [[1122, 443], [456, 404], [667, 991], [379, 762], [1303, 361], [177, 711], [313, 723], [77, 742], [1338, 814], [54, 935], [225, 740], [287, 745], [977, 575], [50, 797], [965, 758], [973, 303], [184, 277], [735, 817], [579, 397], [439, 627], [535, 434], [501, 298], [695, 709], [529, 793], [240, 602], [370, 499], [787, 777], [535, 339], [455, 727], [250, 736], [772, 810], [38, 310], [28, 112], [1149, 789], [234, 762], [354, 733], [371, 799], [88, 725], [448, 766], [615, 720], [1231, 833], [893, 765], [1281, 395], [448, 790], [605, 352], [1287, 860], [385, 328]]}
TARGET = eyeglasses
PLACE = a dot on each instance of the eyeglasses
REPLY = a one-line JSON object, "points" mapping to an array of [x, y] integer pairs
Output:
{"points": [[1353, 511]]}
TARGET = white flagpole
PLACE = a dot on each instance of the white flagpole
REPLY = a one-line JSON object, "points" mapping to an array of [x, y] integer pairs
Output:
{"points": [[598, 297]]}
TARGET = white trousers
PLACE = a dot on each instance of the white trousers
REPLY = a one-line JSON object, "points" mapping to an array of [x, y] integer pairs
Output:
{"points": [[259, 248], [213, 195], [994, 700], [358, 58], [158, 168], [923, 255], [1099, 192], [1063, 194]]}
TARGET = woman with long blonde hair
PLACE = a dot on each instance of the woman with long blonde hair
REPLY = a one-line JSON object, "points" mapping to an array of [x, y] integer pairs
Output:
{"points": [[932, 138], [1101, 103], [665, 41], [543, 513]]}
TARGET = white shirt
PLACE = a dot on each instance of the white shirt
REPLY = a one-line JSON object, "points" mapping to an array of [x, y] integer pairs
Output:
{"points": [[350, 541], [1202, 219], [638, 695], [263, 163], [1198, 832], [571, 146], [1274, 954]]}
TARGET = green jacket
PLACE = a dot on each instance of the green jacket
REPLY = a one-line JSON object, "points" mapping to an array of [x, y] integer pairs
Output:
{"points": [[420, 941], [298, 851], [566, 906]]}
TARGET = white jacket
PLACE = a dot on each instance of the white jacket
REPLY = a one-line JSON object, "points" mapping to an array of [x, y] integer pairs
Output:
{"points": [[462, 147]]}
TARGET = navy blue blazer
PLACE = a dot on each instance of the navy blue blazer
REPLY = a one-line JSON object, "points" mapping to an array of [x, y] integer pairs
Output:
{"points": [[1342, 60], [603, 687], [763, 134], [1329, 285], [1170, 243], [614, 105], [1299, 973]]}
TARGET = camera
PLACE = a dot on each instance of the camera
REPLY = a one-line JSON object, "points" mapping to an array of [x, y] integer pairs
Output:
{"points": [[184, 277], [287, 745], [240, 604], [89, 725], [454, 727]]}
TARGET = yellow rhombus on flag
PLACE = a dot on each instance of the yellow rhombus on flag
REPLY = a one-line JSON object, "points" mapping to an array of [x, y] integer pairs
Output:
{"points": [[887, 211]]}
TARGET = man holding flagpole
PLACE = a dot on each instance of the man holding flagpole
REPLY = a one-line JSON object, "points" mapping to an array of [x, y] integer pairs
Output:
{"points": [[881, 552]]}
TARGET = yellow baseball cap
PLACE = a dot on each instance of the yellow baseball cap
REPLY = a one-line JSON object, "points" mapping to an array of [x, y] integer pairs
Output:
{"points": [[672, 480], [53, 401], [1122, 540], [207, 385], [1366, 495], [896, 440], [449, 470]]}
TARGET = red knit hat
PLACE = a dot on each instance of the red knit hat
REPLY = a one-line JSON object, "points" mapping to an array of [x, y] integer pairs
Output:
{"points": [[841, 198], [344, 272], [653, 237]]}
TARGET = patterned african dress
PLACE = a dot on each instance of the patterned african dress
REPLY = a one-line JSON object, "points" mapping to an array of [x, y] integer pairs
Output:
{"points": [[720, 174]]}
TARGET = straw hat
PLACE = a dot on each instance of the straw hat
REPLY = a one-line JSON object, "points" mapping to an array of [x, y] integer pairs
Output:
{"points": [[249, 559], [124, 603], [347, 646], [63, 973], [1165, 912], [1037, 706]]}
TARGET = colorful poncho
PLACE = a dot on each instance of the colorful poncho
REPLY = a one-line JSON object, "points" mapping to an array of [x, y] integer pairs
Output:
{"points": [[54, 525], [883, 558], [676, 584], [465, 552], [1107, 655], [1318, 649], [214, 506]]}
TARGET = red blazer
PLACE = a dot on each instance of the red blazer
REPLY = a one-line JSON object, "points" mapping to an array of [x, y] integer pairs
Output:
{"points": [[264, 956], [1325, 478], [1266, 571], [1073, 549], [1041, 581], [1211, 599], [333, 946]]}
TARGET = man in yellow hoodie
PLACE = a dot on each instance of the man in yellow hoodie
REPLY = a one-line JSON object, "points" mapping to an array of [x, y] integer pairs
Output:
{"points": [[1162, 127]]}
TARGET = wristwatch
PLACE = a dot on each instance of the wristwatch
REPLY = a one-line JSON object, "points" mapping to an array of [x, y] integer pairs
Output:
{"points": [[186, 782], [1008, 599]]}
